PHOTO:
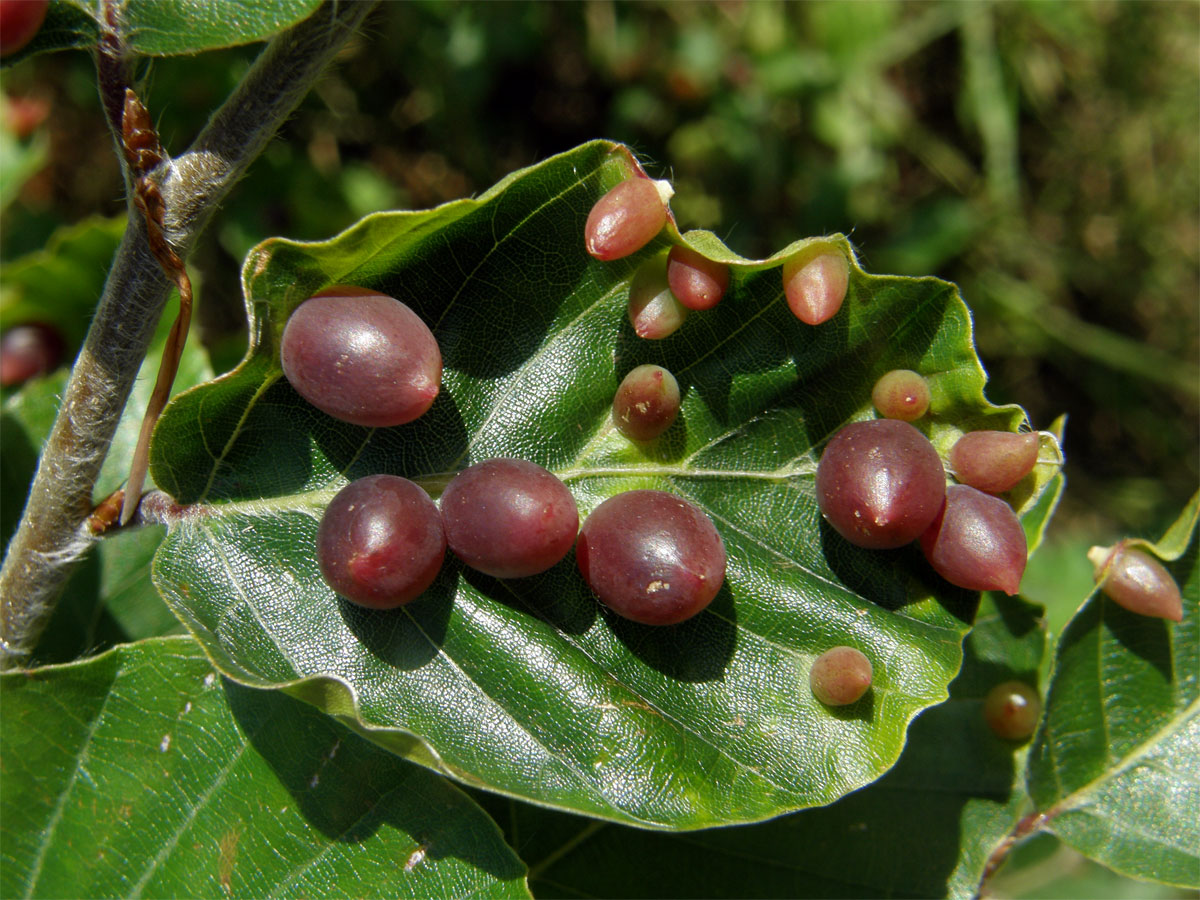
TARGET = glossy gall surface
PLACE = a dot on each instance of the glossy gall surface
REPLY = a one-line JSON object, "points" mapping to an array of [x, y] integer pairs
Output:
{"points": [[815, 287], [654, 312], [509, 518], [696, 281], [647, 403], [901, 394], [625, 219], [840, 676], [381, 543], [976, 542], [880, 483], [1012, 710], [651, 557], [993, 461], [362, 357], [1134, 579]]}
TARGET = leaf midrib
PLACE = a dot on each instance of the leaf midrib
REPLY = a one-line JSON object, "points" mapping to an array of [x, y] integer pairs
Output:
{"points": [[313, 502]]}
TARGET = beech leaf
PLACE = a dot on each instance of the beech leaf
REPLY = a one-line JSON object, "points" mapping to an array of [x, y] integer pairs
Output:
{"points": [[1116, 767], [528, 687], [138, 773]]}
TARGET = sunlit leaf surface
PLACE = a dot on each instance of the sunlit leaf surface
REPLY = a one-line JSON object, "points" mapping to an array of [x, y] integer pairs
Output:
{"points": [[140, 773], [925, 829], [166, 27], [1116, 768]]}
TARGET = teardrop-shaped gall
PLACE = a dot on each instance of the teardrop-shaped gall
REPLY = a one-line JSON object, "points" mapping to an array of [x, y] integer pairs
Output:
{"points": [[646, 403], [840, 676], [625, 219], [993, 461], [1137, 581], [901, 394], [1012, 710], [696, 281], [654, 312], [362, 357], [880, 483], [815, 286], [977, 542]]}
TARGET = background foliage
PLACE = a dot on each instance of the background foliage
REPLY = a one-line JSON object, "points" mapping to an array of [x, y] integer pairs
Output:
{"points": [[1046, 157]]}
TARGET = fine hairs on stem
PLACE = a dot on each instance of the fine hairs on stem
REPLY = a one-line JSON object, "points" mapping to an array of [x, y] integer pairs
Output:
{"points": [[52, 534]]}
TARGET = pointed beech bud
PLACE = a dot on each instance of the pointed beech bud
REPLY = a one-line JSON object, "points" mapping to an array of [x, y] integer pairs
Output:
{"points": [[626, 219], [1137, 581], [815, 287]]}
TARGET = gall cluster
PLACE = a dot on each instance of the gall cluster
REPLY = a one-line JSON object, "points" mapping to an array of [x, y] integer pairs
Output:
{"points": [[368, 359], [647, 555]]}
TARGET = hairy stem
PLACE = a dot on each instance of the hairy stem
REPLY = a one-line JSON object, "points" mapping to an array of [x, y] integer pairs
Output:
{"points": [[52, 535], [1023, 829]]}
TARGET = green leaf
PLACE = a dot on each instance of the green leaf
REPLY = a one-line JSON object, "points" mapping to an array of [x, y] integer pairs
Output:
{"points": [[19, 160], [1116, 767], [528, 687], [61, 283], [926, 829], [173, 27], [1043, 867], [138, 773], [167, 27], [1038, 514]]}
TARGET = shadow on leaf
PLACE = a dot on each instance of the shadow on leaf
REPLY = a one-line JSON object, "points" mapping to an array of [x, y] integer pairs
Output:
{"points": [[433, 443], [861, 710], [558, 597], [698, 649], [347, 788], [411, 635], [921, 830]]}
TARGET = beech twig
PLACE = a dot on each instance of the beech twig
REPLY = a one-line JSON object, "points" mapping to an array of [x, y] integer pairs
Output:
{"points": [[1025, 827], [53, 533]]}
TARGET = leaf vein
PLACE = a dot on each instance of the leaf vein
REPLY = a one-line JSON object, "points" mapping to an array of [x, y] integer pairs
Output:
{"points": [[60, 807], [563, 760]]}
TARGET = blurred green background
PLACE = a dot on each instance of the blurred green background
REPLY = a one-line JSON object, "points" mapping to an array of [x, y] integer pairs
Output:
{"points": [[1044, 156]]}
